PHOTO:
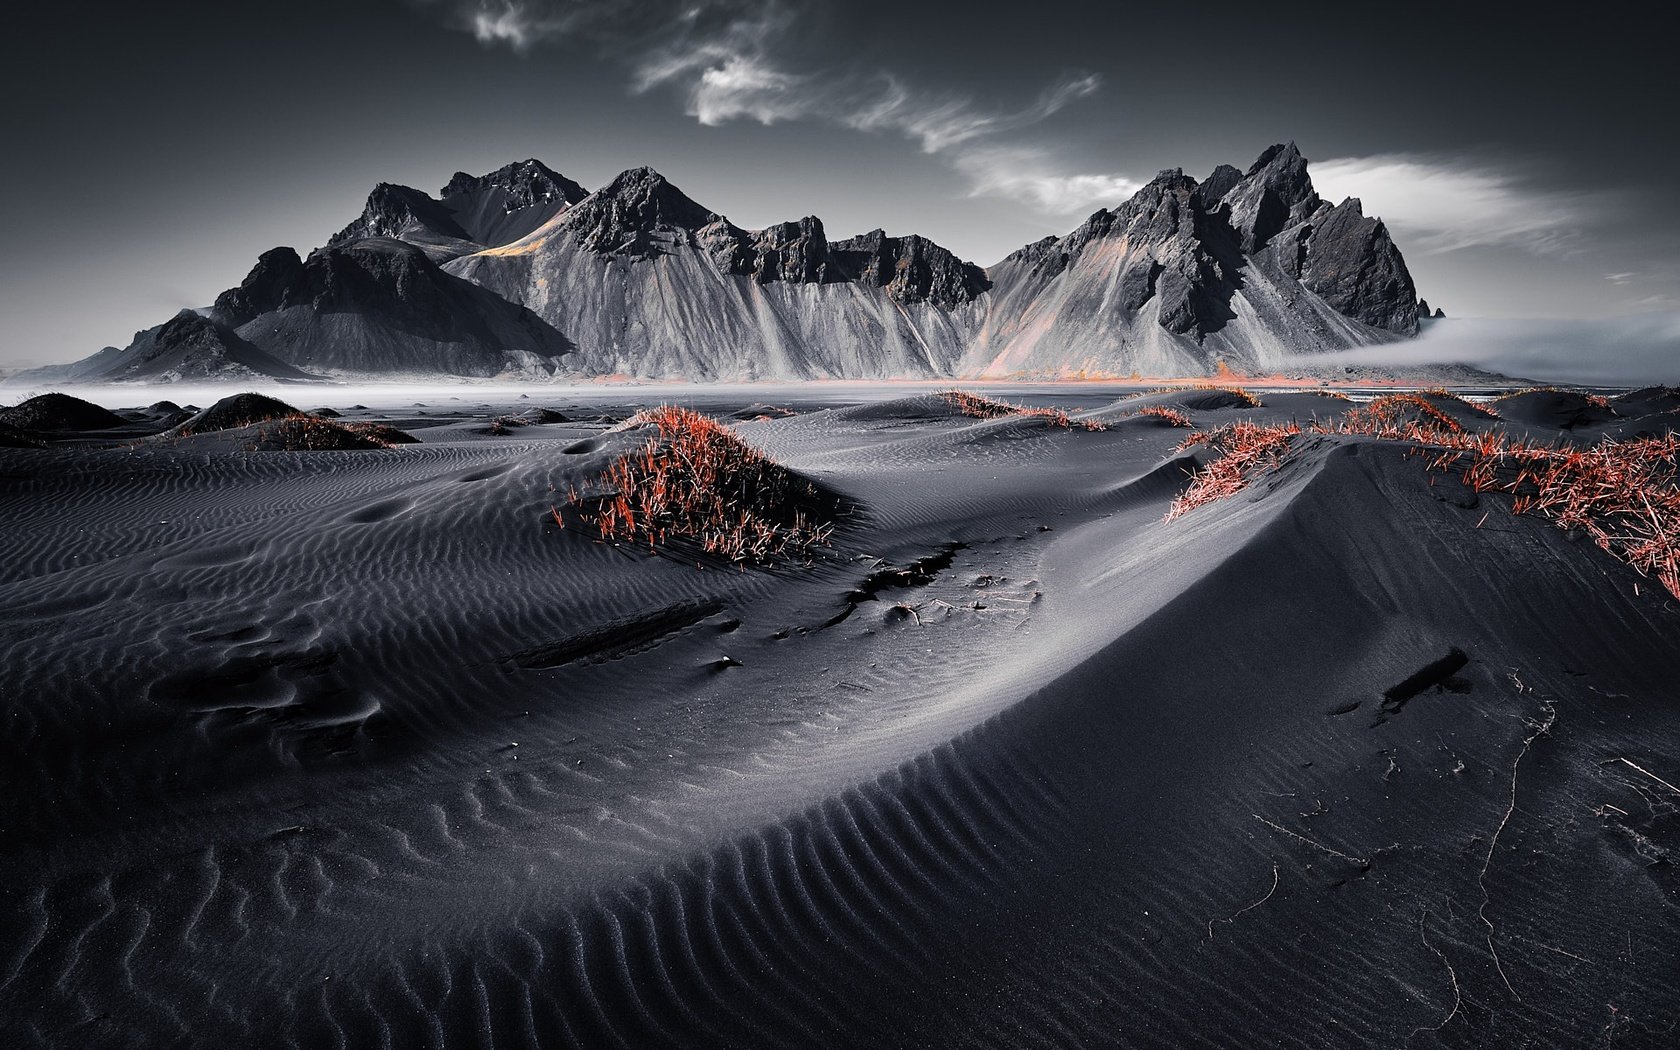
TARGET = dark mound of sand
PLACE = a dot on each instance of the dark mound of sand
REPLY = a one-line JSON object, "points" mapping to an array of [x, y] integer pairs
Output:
{"points": [[382, 433], [12, 437], [1556, 409], [1211, 400], [235, 411], [164, 408], [303, 433], [1647, 401], [59, 412], [325, 413], [761, 411], [543, 415], [366, 750]]}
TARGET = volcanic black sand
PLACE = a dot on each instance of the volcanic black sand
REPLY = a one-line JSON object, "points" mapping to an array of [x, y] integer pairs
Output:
{"points": [[361, 748]]}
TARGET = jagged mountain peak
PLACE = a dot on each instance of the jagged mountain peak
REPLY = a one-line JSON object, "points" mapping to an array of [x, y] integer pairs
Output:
{"points": [[394, 210], [529, 179], [1276, 193], [506, 273], [911, 268], [622, 216]]}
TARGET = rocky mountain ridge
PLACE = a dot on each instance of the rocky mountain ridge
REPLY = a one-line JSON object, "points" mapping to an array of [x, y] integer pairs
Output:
{"points": [[521, 272]]}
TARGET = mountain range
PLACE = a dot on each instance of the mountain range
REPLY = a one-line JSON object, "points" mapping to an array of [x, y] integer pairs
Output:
{"points": [[523, 273]]}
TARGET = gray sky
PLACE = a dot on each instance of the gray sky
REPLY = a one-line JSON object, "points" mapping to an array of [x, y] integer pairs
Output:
{"points": [[1524, 163]]}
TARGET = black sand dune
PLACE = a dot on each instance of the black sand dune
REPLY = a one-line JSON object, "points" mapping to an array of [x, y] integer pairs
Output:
{"points": [[351, 749], [59, 412]]}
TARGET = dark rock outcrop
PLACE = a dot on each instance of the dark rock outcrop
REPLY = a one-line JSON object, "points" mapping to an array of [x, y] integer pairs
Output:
{"points": [[278, 275], [510, 202], [402, 213], [1173, 250], [1274, 195], [793, 251], [381, 305], [625, 216], [911, 269], [1352, 264], [189, 346]]}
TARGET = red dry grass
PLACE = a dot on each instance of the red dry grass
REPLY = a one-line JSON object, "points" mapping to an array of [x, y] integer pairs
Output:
{"points": [[1445, 394], [1398, 417], [694, 480], [978, 406], [1247, 398], [1170, 416], [1625, 495], [1245, 450], [306, 433]]}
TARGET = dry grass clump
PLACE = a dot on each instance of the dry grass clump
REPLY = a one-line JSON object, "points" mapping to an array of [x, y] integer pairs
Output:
{"points": [[383, 433], [694, 480], [1244, 449], [1398, 417], [1248, 399], [1445, 394], [1598, 400], [1170, 416], [307, 433], [981, 407], [1623, 494]]}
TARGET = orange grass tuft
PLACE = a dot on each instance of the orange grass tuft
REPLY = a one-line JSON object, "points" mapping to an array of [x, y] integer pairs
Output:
{"points": [[1399, 417], [694, 480], [1474, 406], [1625, 495], [1170, 416], [1595, 399], [1245, 450], [981, 407], [1247, 398]]}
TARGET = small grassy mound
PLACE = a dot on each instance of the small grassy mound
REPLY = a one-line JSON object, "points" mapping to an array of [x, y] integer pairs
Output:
{"points": [[1440, 393], [1399, 417], [1201, 397], [693, 481], [59, 412], [1171, 417], [1625, 495], [1648, 401], [1556, 408], [233, 412], [383, 433], [978, 406], [307, 433], [1243, 450]]}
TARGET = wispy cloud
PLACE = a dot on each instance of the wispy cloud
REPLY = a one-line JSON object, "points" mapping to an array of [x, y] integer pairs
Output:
{"points": [[1443, 205], [1634, 349], [1034, 175], [732, 60]]}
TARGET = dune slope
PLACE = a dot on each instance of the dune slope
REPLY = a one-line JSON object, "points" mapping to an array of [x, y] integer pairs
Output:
{"points": [[361, 748]]}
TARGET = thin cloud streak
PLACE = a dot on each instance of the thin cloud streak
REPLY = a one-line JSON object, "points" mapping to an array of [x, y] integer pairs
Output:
{"points": [[1443, 205], [727, 59]]}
